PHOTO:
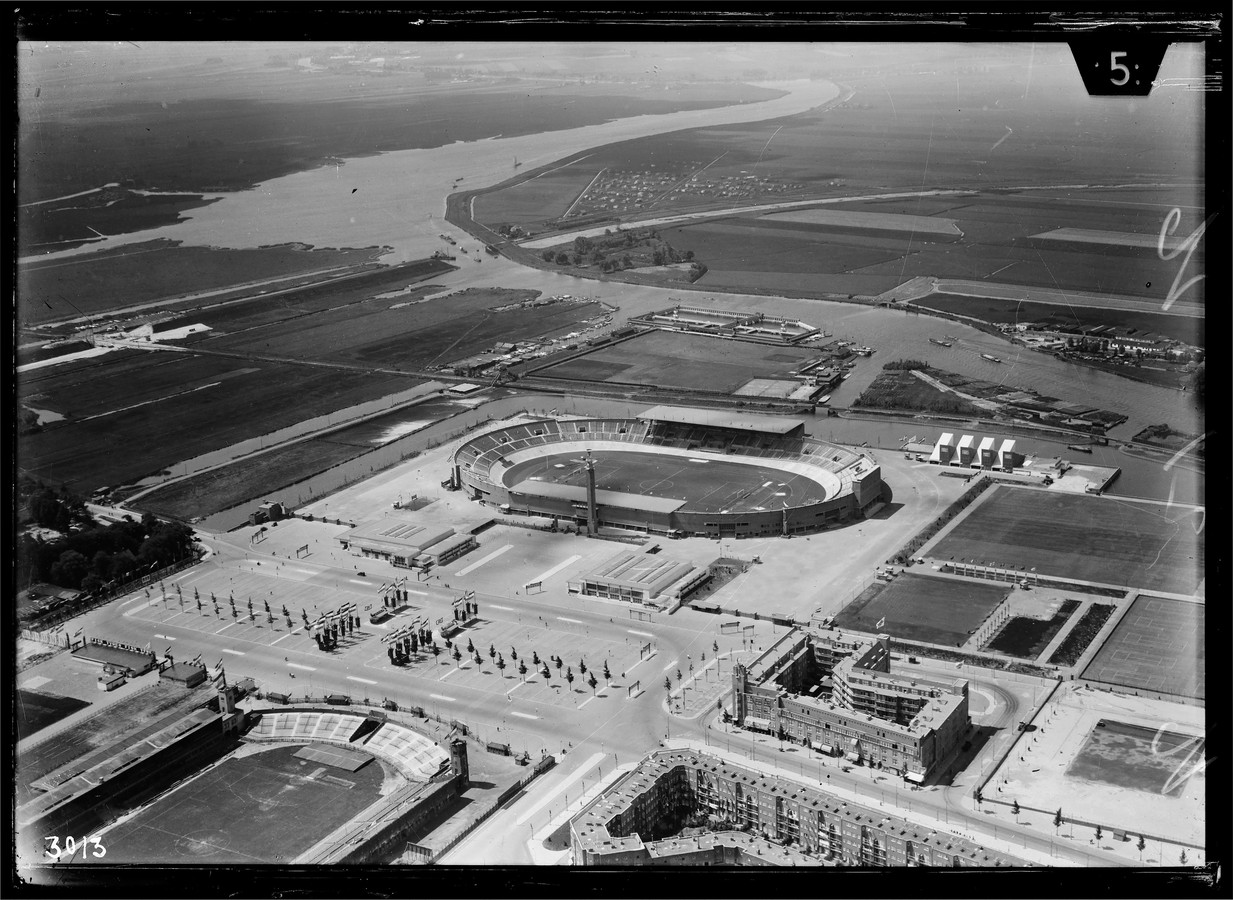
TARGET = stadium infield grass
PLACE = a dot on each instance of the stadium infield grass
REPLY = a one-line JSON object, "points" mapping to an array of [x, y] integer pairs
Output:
{"points": [[265, 808]]}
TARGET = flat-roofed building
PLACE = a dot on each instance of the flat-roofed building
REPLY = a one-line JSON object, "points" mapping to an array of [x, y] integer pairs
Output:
{"points": [[393, 539], [872, 715], [640, 578]]}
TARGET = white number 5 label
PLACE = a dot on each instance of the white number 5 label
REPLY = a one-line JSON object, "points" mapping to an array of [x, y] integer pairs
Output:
{"points": [[1116, 67]]}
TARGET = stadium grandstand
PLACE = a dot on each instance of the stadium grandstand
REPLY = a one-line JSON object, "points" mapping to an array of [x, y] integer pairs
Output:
{"points": [[673, 471]]}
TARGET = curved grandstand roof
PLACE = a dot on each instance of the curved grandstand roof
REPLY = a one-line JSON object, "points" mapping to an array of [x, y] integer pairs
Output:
{"points": [[720, 418]]}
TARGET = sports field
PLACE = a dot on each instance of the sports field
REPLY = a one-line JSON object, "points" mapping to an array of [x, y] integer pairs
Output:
{"points": [[1158, 645], [1122, 755], [685, 361], [35, 711], [922, 608], [267, 807], [705, 484], [1098, 539]]}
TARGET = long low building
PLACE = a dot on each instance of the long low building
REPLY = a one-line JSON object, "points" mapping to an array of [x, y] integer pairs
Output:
{"points": [[752, 819], [640, 578], [406, 544]]}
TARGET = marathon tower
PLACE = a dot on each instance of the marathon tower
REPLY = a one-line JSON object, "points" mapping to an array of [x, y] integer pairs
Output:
{"points": [[592, 513]]}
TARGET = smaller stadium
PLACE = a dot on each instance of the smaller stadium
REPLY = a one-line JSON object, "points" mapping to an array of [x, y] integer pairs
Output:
{"points": [[673, 471]]}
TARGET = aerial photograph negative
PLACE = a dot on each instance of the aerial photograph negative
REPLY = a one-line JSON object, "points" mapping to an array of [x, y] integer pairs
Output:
{"points": [[754, 450]]}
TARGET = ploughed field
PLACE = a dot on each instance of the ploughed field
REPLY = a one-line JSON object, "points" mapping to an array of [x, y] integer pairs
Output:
{"points": [[1099, 539], [705, 482]]}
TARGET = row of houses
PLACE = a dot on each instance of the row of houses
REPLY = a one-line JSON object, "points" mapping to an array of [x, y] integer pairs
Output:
{"points": [[987, 454]]}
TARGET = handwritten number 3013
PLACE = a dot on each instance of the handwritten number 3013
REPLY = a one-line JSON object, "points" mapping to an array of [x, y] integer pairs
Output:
{"points": [[1167, 228]]}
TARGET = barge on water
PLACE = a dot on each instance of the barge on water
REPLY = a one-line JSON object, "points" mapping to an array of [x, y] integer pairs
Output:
{"points": [[1081, 448], [990, 357], [939, 342]]}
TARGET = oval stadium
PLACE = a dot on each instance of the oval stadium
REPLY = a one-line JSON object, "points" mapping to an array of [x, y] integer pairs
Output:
{"points": [[671, 471]]}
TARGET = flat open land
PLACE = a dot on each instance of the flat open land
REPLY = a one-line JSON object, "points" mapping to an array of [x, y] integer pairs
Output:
{"points": [[101, 282], [993, 309], [1123, 755], [1097, 539], [686, 361], [35, 711], [265, 364], [862, 221], [706, 483], [266, 807], [1158, 645], [922, 608], [144, 412]]}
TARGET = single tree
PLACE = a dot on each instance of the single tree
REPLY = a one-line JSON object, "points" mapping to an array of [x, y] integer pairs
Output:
{"points": [[1183, 856], [560, 662], [569, 676], [492, 651], [522, 669], [234, 614], [1142, 845], [607, 674], [980, 797], [1099, 833], [668, 684], [290, 625], [436, 651], [198, 604], [513, 654], [546, 673], [470, 646], [679, 676], [501, 665], [479, 660], [1057, 818], [1014, 809], [703, 658], [582, 666], [592, 681], [534, 658], [457, 655], [715, 646]]}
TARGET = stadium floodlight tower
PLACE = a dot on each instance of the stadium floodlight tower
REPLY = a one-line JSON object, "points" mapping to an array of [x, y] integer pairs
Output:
{"points": [[592, 513]]}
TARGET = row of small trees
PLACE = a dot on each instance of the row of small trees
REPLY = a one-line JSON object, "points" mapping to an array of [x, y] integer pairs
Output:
{"points": [[1058, 820]]}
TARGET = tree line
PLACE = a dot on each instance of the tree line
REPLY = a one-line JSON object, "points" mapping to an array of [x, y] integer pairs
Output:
{"points": [[85, 554]]}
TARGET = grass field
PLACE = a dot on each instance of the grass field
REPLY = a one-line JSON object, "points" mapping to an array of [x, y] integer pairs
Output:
{"points": [[688, 361], [264, 808], [708, 485], [923, 608], [209, 492], [1098, 539], [1158, 645], [1122, 755], [35, 711], [1026, 637]]}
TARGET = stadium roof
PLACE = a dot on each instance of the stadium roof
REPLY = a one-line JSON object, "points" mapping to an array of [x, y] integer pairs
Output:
{"points": [[718, 418], [618, 499]]}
